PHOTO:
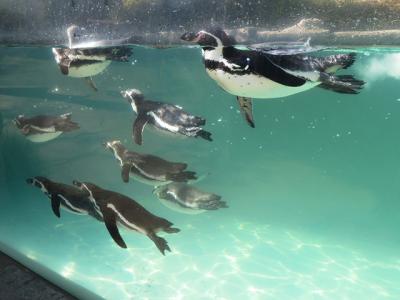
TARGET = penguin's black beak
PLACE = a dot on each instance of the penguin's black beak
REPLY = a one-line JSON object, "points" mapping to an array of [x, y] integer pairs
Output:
{"points": [[29, 181], [190, 37]]}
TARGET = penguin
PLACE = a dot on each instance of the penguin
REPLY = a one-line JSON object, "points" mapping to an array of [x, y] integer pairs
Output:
{"points": [[165, 117], [68, 197], [87, 62], [257, 73], [187, 199], [119, 209], [148, 168], [43, 128]]}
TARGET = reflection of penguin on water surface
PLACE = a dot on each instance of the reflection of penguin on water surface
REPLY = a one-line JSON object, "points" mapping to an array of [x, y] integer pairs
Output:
{"points": [[255, 73], [43, 128], [119, 209], [68, 197], [87, 62], [163, 116], [187, 199], [147, 168]]}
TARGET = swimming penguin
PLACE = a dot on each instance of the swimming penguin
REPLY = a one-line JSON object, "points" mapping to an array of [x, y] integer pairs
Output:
{"points": [[164, 117], [87, 62], [187, 199], [254, 73], [44, 128], [119, 209], [148, 168], [68, 197]]}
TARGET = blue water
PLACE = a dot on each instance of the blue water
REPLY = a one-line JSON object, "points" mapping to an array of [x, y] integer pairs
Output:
{"points": [[313, 191]]}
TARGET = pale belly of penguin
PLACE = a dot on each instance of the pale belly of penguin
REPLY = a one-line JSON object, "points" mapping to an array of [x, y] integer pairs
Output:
{"points": [[88, 70], [43, 137], [253, 86]]}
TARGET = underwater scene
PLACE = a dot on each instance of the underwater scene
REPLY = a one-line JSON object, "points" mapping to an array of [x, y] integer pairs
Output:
{"points": [[305, 205]]}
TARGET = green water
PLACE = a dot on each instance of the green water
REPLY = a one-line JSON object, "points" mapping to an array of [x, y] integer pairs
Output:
{"points": [[313, 191]]}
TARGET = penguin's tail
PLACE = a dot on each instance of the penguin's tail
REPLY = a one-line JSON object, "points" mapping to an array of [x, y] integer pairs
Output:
{"points": [[333, 63], [182, 176], [204, 134], [161, 243], [213, 203], [344, 84], [120, 54]]}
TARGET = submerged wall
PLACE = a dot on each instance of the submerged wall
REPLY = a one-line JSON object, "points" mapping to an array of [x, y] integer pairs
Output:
{"points": [[161, 21]]}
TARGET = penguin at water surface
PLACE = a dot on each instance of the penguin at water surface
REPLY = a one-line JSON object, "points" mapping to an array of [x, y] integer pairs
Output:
{"points": [[116, 209], [43, 128], [256, 73], [87, 62], [165, 117]]}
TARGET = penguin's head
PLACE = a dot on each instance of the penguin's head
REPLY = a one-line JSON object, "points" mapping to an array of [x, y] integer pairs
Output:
{"points": [[161, 192], [40, 182], [19, 121], [214, 37], [113, 145], [85, 186], [134, 97]]}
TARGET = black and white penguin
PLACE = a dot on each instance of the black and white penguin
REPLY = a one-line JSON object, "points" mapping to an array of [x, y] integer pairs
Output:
{"points": [[165, 117], [119, 209], [255, 73], [147, 168], [44, 128], [187, 199], [68, 197], [87, 62]]}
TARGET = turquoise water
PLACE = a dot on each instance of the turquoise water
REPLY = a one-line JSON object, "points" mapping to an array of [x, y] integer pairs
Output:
{"points": [[313, 191]]}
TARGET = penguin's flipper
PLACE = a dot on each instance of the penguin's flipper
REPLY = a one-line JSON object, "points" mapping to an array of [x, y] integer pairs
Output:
{"points": [[55, 204], [344, 84], [90, 82], [138, 126], [246, 108], [126, 168], [111, 224], [161, 243]]}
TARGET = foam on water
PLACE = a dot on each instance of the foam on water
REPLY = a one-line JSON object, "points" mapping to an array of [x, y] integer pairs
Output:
{"points": [[313, 191]]}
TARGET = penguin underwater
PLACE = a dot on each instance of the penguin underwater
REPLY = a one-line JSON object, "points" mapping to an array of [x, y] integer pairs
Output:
{"points": [[147, 168], [167, 118], [87, 62], [66, 196], [116, 209], [255, 73], [185, 198], [44, 128]]}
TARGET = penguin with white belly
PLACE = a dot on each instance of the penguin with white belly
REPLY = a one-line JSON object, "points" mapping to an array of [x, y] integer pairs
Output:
{"points": [[147, 168], [168, 118], [87, 62], [44, 128], [68, 197], [119, 209], [256, 73], [187, 199]]}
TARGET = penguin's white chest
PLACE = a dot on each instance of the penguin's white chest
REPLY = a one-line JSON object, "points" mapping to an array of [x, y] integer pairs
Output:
{"points": [[43, 137], [89, 69], [254, 86]]}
